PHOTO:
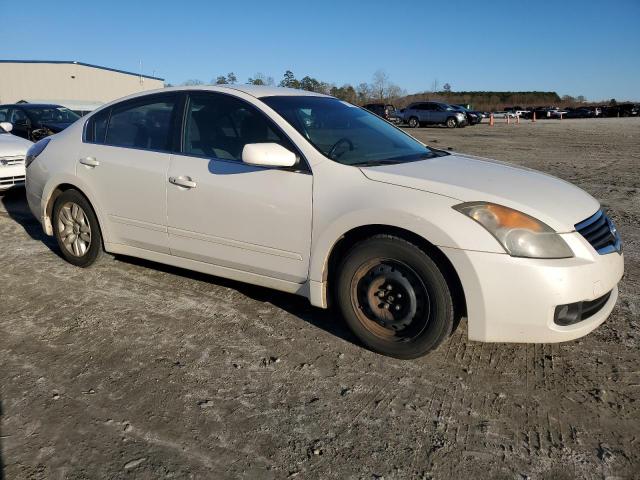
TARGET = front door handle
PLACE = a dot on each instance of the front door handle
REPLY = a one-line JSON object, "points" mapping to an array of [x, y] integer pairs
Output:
{"points": [[184, 182], [89, 162]]}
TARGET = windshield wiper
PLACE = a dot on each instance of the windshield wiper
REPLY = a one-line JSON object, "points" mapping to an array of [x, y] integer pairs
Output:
{"points": [[391, 161]]}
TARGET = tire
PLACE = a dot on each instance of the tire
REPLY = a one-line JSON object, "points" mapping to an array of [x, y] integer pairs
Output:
{"points": [[408, 325], [414, 122], [451, 122], [76, 229]]}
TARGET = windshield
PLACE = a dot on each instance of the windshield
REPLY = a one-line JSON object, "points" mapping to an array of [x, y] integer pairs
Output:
{"points": [[52, 114], [348, 134]]}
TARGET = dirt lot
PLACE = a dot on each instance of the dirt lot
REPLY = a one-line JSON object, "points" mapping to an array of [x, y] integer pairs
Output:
{"points": [[135, 370]]}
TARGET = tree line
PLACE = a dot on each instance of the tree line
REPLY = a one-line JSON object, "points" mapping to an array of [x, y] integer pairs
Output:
{"points": [[380, 89]]}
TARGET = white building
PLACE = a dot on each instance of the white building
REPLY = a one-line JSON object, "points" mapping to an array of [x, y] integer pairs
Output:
{"points": [[75, 85]]}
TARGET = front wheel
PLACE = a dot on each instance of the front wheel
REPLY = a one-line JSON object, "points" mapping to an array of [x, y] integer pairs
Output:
{"points": [[76, 229], [451, 122], [394, 297]]}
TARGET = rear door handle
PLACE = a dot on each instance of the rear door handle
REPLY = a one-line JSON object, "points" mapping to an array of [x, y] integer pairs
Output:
{"points": [[89, 162], [184, 182]]}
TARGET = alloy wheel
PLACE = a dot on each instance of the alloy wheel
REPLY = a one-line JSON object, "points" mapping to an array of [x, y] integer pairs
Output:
{"points": [[74, 229]]}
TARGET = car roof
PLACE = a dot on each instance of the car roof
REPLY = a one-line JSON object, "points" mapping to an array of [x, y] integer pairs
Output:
{"points": [[258, 91], [29, 105]]}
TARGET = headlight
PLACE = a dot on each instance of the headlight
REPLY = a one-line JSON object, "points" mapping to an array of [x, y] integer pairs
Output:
{"points": [[460, 115], [35, 150], [518, 233]]}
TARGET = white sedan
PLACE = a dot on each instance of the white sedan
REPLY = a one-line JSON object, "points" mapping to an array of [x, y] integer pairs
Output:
{"points": [[13, 150], [305, 193], [504, 115]]}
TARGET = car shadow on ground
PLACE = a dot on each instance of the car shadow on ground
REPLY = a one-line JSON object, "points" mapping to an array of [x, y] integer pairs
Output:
{"points": [[328, 320], [15, 205]]}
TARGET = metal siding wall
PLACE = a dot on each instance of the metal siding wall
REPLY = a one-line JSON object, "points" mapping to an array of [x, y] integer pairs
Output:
{"points": [[49, 81]]}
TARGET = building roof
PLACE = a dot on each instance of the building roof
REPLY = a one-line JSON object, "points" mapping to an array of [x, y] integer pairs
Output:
{"points": [[71, 62]]}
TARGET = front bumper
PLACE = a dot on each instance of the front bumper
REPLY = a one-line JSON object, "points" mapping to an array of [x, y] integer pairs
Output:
{"points": [[514, 299], [11, 176]]}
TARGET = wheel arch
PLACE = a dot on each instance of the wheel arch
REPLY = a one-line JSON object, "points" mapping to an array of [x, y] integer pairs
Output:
{"points": [[51, 198], [357, 234]]}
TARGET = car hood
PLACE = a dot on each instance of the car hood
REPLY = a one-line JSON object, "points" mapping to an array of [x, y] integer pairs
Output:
{"points": [[555, 202], [13, 146]]}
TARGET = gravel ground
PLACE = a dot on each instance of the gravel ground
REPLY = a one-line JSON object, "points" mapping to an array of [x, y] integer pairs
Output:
{"points": [[136, 370]]}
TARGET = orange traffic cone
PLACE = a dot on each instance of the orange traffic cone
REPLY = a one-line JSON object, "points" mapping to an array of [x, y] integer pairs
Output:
{"points": [[533, 117], [560, 115], [508, 118], [491, 121], [517, 119]]}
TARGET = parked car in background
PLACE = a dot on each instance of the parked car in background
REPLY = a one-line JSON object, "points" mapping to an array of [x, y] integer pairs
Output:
{"points": [[36, 121], [504, 114], [557, 113], [540, 113], [13, 151], [473, 118], [621, 110], [345, 209], [580, 112], [384, 110], [433, 113]]}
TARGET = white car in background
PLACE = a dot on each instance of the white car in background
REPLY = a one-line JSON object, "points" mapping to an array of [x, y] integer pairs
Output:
{"points": [[13, 151], [504, 115], [304, 193]]}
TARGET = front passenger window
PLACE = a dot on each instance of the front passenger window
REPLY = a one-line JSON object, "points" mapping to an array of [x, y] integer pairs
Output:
{"points": [[144, 125], [219, 126]]}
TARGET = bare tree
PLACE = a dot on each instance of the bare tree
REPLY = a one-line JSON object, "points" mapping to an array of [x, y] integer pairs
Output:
{"points": [[260, 79], [380, 84], [193, 82]]}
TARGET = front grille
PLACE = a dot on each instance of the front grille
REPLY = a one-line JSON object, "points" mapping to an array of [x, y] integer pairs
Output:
{"points": [[11, 181], [8, 161], [601, 233]]}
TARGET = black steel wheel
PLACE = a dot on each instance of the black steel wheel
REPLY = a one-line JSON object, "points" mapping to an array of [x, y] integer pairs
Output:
{"points": [[394, 297]]}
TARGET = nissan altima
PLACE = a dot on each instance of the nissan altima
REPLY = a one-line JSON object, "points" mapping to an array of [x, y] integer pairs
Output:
{"points": [[305, 193]]}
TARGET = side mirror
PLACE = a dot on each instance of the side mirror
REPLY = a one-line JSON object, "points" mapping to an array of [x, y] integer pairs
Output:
{"points": [[6, 126], [268, 155]]}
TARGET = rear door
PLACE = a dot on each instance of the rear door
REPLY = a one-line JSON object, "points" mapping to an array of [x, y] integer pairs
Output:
{"points": [[124, 160]]}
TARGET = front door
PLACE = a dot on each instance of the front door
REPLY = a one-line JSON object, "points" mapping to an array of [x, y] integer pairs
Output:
{"points": [[230, 214]]}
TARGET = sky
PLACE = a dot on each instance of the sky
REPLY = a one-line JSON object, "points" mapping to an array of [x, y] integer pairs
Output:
{"points": [[587, 47]]}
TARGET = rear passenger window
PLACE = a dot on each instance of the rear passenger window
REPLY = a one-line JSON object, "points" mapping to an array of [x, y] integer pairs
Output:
{"points": [[220, 126], [144, 125], [97, 127]]}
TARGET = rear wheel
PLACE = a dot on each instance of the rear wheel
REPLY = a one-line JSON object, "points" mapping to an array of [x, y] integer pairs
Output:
{"points": [[76, 229], [451, 122], [394, 297], [414, 122]]}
